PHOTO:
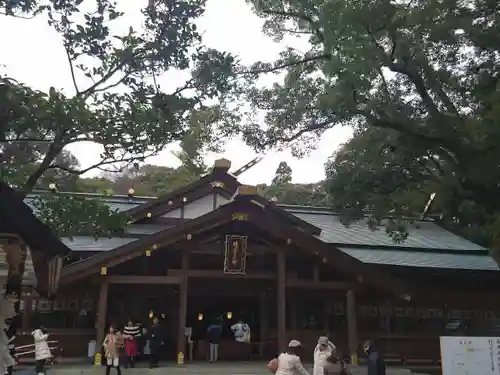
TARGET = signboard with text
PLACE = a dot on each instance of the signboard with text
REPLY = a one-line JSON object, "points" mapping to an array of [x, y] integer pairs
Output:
{"points": [[470, 355]]}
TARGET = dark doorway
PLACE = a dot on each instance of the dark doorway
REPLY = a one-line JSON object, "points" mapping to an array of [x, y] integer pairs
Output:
{"points": [[228, 310]]}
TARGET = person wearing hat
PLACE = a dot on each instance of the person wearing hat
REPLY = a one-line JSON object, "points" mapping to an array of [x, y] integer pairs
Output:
{"points": [[322, 352], [289, 363]]}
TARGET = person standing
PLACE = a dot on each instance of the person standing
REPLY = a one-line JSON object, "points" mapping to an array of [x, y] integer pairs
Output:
{"points": [[42, 350], [112, 345], [375, 362], [155, 336], [214, 333], [289, 363], [130, 333], [322, 352], [241, 331]]}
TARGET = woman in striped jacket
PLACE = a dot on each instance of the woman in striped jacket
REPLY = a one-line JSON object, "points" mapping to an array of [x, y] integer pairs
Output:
{"points": [[130, 333]]}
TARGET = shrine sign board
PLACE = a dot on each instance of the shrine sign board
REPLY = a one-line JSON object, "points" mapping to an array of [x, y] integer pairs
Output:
{"points": [[470, 355], [235, 255]]}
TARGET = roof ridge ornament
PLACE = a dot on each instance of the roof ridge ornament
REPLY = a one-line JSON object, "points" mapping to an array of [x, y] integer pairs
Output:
{"points": [[221, 165]]}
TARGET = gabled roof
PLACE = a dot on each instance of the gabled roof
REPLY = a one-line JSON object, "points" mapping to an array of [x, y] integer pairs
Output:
{"points": [[226, 184], [17, 218], [259, 217]]}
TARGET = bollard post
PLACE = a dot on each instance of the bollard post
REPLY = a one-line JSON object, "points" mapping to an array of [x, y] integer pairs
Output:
{"points": [[180, 358]]}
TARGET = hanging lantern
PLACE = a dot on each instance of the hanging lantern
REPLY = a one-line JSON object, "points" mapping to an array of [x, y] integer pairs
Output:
{"points": [[151, 314], [200, 316], [104, 270], [229, 315], [148, 253]]}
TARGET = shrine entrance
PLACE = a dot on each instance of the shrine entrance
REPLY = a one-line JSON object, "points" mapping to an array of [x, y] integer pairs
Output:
{"points": [[225, 310]]}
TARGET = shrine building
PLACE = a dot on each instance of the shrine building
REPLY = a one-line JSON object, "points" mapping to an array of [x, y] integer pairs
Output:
{"points": [[215, 248]]}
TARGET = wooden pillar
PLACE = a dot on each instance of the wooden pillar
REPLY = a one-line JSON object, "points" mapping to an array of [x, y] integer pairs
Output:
{"points": [[293, 312], [102, 308], [183, 300], [28, 307], [264, 323], [352, 327], [281, 299], [327, 310]]}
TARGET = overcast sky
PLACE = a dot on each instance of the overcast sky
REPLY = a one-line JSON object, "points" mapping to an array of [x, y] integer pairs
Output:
{"points": [[32, 53]]}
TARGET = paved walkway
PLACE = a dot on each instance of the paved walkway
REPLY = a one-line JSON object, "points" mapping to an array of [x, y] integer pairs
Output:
{"points": [[193, 369]]}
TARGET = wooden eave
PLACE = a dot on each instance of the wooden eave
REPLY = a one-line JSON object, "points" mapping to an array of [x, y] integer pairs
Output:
{"points": [[16, 217], [137, 248], [257, 216], [202, 187], [190, 192]]}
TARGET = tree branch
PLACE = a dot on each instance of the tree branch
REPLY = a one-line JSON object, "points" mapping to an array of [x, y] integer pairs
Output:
{"points": [[317, 31], [72, 69], [85, 93], [310, 128], [306, 60], [99, 164]]}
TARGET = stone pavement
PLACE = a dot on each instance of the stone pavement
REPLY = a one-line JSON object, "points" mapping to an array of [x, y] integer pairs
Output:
{"points": [[241, 368]]}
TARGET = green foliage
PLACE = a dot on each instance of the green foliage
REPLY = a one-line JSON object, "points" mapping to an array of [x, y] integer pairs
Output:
{"points": [[117, 101], [121, 107], [283, 174], [296, 194], [417, 80], [76, 215]]}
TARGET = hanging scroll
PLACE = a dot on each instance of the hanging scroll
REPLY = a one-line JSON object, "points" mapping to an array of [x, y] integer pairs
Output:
{"points": [[235, 255]]}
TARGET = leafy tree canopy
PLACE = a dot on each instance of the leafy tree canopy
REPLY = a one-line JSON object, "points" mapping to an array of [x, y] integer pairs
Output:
{"points": [[418, 81], [283, 174], [117, 101]]}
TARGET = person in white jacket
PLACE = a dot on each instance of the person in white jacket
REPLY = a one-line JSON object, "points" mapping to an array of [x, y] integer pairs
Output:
{"points": [[322, 352], [289, 363], [42, 350]]}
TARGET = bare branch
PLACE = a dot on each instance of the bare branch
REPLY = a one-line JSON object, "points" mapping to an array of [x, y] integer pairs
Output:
{"points": [[71, 68], [94, 166], [310, 128], [306, 60], [85, 93]]}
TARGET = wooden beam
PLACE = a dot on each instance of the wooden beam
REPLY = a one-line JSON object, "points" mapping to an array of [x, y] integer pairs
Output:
{"points": [[281, 299], [169, 280], [310, 284], [218, 274]]}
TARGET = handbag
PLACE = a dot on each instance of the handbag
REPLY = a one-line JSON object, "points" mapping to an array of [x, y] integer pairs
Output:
{"points": [[273, 365]]}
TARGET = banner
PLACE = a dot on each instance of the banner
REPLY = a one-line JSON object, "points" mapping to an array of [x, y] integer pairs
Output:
{"points": [[235, 255]]}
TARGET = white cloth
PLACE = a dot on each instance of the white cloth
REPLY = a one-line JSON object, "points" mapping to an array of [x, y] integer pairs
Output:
{"points": [[113, 361], [241, 332], [320, 358], [290, 364], [42, 350]]}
